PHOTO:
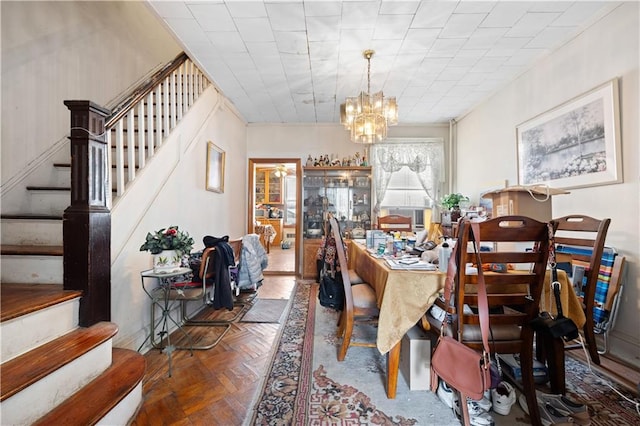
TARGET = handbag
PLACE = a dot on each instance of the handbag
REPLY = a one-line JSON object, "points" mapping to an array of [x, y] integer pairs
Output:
{"points": [[463, 368], [558, 326]]}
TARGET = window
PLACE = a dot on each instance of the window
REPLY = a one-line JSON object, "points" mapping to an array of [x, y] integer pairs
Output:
{"points": [[408, 175]]}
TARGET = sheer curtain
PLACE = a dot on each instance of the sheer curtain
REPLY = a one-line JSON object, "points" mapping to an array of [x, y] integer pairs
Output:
{"points": [[425, 157]]}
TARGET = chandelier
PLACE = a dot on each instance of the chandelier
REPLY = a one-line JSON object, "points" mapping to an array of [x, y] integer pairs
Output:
{"points": [[281, 170], [367, 115]]}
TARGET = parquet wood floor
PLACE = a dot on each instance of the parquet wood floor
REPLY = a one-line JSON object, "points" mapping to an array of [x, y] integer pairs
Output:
{"points": [[215, 386]]}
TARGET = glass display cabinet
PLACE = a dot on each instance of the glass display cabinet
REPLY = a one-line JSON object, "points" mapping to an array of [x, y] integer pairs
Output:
{"points": [[344, 192]]}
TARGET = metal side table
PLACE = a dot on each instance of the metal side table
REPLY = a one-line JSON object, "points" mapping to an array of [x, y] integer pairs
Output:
{"points": [[160, 297]]}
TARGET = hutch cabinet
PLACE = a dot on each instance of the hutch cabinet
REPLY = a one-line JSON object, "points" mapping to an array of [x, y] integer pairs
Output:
{"points": [[344, 192], [268, 187]]}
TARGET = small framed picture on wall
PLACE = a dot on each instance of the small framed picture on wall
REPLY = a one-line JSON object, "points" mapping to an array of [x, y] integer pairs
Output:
{"points": [[215, 168]]}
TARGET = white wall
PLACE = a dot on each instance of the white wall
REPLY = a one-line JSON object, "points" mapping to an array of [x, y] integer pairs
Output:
{"points": [[54, 51], [301, 140], [486, 143]]}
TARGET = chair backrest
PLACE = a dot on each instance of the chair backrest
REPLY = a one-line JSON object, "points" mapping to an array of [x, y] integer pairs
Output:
{"points": [[513, 296], [344, 266], [580, 239], [394, 222], [236, 246]]}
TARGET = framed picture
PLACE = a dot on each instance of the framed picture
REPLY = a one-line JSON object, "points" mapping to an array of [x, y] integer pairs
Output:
{"points": [[574, 145], [215, 168]]}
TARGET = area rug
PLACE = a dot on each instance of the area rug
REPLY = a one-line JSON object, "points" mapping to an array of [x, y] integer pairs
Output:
{"points": [[266, 310], [306, 385]]}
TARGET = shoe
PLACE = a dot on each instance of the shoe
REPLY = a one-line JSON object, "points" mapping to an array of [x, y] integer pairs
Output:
{"points": [[503, 397], [477, 416], [485, 402], [549, 416], [567, 407], [445, 394]]}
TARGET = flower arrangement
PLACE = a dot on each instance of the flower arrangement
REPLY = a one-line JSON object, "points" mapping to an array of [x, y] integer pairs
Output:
{"points": [[168, 239]]}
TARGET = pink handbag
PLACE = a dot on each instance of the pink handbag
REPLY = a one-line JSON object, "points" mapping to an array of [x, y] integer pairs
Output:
{"points": [[461, 367]]}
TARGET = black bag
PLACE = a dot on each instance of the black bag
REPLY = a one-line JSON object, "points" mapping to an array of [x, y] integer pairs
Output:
{"points": [[331, 294], [560, 326]]}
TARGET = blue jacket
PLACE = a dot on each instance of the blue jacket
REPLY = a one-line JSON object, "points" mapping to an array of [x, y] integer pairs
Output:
{"points": [[253, 260]]}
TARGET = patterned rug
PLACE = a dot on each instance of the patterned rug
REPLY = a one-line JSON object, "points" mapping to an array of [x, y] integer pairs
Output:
{"points": [[306, 385]]}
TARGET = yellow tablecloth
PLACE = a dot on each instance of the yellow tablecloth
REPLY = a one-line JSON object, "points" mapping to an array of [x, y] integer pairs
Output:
{"points": [[403, 296]]}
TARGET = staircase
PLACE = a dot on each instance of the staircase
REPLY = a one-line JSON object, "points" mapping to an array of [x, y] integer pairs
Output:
{"points": [[53, 370]]}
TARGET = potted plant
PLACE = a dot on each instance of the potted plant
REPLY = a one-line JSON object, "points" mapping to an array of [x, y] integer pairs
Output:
{"points": [[452, 201], [167, 246], [451, 205]]}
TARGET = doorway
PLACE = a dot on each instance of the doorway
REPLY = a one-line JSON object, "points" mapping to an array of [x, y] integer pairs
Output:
{"points": [[275, 186]]}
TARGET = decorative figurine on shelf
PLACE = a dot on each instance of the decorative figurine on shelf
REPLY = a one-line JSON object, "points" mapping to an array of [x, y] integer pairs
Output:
{"points": [[316, 162], [309, 161]]}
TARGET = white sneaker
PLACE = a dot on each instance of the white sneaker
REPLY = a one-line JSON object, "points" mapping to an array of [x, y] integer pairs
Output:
{"points": [[445, 394], [485, 402], [503, 397], [477, 416]]}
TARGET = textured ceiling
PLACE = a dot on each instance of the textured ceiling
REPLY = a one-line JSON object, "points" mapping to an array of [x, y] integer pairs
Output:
{"points": [[296, 61]]}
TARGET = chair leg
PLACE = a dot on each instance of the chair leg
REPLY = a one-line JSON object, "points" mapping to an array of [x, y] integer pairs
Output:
{"points": [[528, 383], [590, 338], [346, 339], [464, 408]]}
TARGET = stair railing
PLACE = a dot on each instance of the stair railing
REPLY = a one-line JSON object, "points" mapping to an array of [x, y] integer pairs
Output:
{"points": [[139, 124], [121, 139]]}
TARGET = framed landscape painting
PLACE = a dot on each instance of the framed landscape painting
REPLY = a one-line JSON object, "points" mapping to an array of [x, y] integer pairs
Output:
{"points": [[215, 168], [574, 145]]}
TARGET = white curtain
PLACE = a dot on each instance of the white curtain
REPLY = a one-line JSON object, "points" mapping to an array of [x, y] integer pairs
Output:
{"points": [[424, 157]]}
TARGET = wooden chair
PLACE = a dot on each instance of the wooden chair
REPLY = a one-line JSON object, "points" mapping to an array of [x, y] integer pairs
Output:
{"points": [[513, 296], [207, 276], [359, 301], [588, 236], [394, 222]]}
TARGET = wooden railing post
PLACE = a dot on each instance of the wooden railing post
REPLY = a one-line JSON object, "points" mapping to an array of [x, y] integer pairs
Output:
{"points": [[87, 221]]}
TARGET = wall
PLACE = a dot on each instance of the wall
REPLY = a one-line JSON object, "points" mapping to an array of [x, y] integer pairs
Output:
{"points": [[486, 143], [300, 140], [53, 51]]}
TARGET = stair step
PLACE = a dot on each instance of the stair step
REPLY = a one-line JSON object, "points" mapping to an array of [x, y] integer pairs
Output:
{"points": [[31, 229], [92, 403], [16, 259], [30, 250], [21, 299], [20, 372], [49, 374], [34, 314]]}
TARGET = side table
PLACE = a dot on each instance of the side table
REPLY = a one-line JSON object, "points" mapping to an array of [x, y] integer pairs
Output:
{"points": [[160, 297]]}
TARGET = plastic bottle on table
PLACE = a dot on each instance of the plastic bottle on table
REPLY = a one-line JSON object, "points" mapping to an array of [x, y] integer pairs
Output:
{"points": [[443, 256]]}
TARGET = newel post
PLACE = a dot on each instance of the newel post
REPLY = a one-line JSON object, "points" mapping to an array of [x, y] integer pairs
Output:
{"points": [[87, 221]]}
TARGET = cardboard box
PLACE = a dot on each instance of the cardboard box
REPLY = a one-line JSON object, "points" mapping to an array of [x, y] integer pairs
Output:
{"points": [[534, 201], [415, 359]]}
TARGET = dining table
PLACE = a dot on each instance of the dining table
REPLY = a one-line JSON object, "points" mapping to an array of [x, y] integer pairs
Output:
{"points": [[267, 235], [404, 296]]}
